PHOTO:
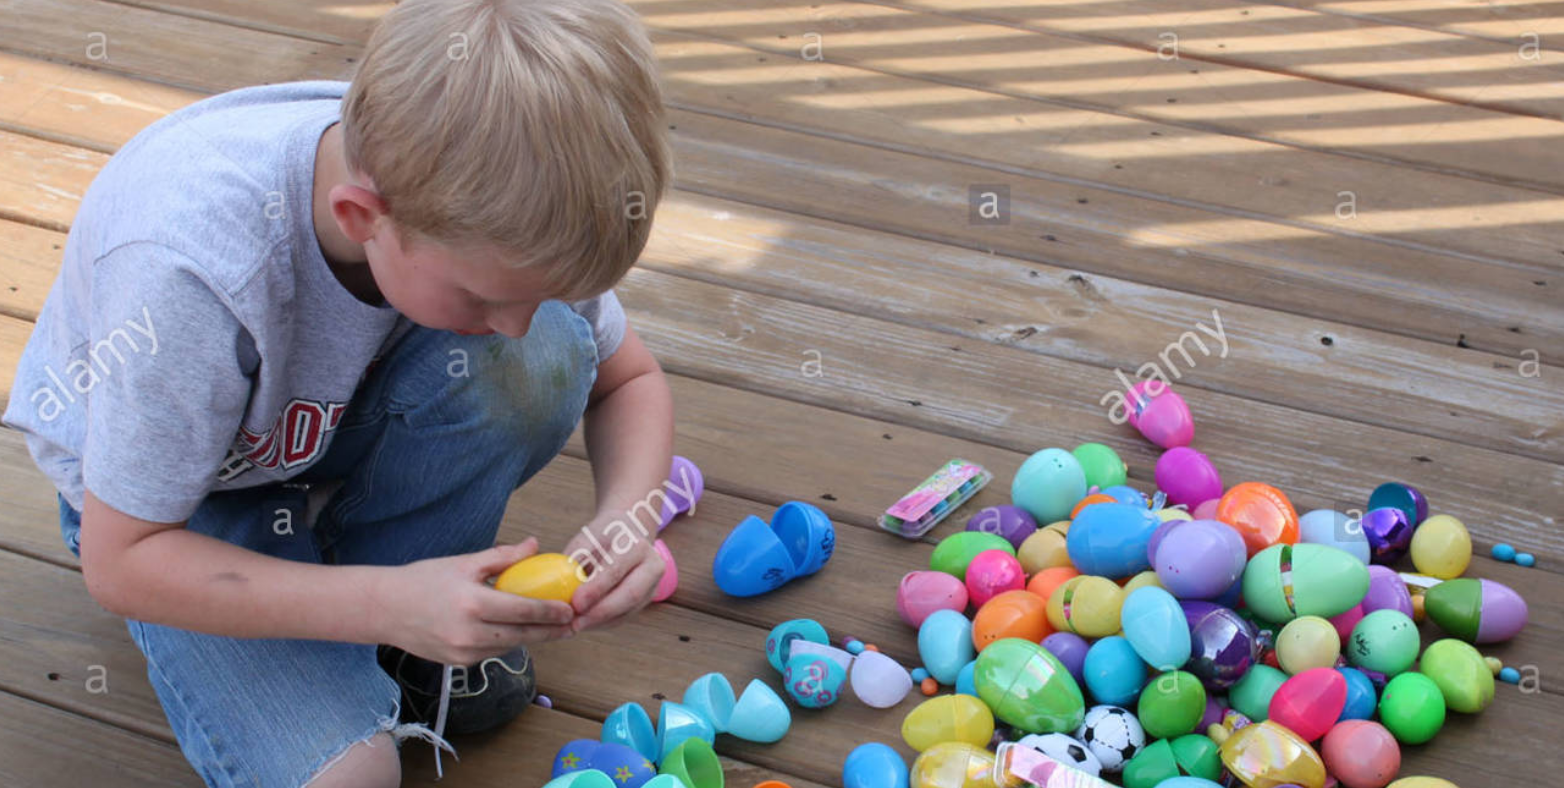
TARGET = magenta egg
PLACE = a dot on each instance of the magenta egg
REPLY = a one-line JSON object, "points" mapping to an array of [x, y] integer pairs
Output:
{"points": [[991, 573], [1386, 591], [1011, 522], [1187, 476], [1199, 559], [922, 593], [1309, 703], [1344, 622]]}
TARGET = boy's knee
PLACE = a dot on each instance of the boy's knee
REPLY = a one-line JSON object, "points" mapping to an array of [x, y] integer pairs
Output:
{"points": [[372, 763]]}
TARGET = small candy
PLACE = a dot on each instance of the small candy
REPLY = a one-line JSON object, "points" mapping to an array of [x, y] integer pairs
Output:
{"points": [[1525, 559], [548, 703], [1503, 552], [1510, 676], [928, 686], [855, 647], [919, 674], [1494, 665], [871, 647]]}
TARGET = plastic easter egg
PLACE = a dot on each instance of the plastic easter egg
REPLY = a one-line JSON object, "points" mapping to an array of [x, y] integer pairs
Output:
{"points": [[1309, 703], [1251, 694], [1400, 496], [813, 682], [1412, 708], [1361, 696], [669, 583], [1223, 646], [1154, 625], [1389, 534], [1422, 782], [1028, 688], [1110, 539], [549, 576], [1048, 484], [1045, 549], [1206, 510], [1344, 622], [966, 681], [1114, 673], [1460, 673], [574, 756], [955, 552], [874, 765], [1328, 527], [1199, 559], [1187, 476], [1267, 754], [1386, 591], [1361, 754], [1066, 749], [1385, 641], [1307, 642], [879, 681], [628, 767], [1124, 493], [1476, 611], [1010, 522], [1101, 464], [779, 644], [993, 572], [1086, 605], [1442, 547], [1260, 513], [1188, 782], [922, 593], [1165, 759], [1171, 705], [1146, 579], [1044, 583], [953, 765], [1013, 614], [1094, 498], [948, 718], [1325, 582], [1168, 515], [1112, 734], [945, 644], [1160, 414], [1071, 650]]}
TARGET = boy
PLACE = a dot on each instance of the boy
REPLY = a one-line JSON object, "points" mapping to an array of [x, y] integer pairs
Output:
{"points": [[306, 341]]}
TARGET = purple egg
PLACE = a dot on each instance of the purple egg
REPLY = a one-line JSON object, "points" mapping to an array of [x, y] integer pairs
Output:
{"points": [[1071, 649], [1199, 559], [1223, 646], [1386, 592], [1011, 522], [1504, 613], [1213, 715], [1389, 534], [1233, 597], [1187, 476]]}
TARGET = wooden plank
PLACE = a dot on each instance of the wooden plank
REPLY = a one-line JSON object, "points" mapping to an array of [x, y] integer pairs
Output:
{"points": [[42, 182], [41, 745], [98, 110], [29, 260], [1502, 20], [13, 337]]}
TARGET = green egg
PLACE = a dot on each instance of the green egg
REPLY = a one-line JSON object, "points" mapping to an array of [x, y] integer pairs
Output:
{"points": [[1251, 696], [1456, 606], [1461, 674], [1412, 708], [1326, 581], [1198, 756], [1385, 641], [1102, 465], [1151, 766], [956, 551], [1171, 705]]}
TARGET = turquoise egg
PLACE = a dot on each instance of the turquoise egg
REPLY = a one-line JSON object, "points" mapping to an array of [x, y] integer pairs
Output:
{"points": [[1114, 673], [1156, 628], [1048, 485], [874, 765], [945, 644], [964, 680]]}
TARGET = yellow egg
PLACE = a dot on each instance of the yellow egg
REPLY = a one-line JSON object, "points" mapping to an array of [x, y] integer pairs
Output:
{"points": [[1166, 515], [1307, 642], [1422, 782], [1086, 605], [1044, 549], [948, 718], [1441, 547], [551, 576], [1146, 578]]}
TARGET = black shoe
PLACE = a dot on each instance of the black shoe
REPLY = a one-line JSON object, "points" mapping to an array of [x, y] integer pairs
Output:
{"points": [[483, 696]]}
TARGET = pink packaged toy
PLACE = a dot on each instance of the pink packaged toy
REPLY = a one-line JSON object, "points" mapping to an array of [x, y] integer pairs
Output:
{"points": [[933, 500]]}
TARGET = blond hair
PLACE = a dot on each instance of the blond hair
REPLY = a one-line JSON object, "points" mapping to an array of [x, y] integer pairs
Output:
{"points": [[534, 126]]}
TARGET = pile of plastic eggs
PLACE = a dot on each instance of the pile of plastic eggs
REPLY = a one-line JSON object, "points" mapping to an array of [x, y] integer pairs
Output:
{"points": [[1204, 633]]}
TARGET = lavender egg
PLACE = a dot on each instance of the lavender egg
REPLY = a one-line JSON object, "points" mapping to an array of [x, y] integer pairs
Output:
{"points": [[1386, 591], [1071, 649], [1012, 523], [1199, 559], [1223, 646]]}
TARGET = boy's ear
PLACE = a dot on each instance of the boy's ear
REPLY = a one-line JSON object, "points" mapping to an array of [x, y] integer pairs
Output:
{"points": [[357, 210]]}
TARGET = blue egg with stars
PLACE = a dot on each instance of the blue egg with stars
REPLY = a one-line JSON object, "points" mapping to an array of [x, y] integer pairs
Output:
{"points": [[626, 767], [575, 756]]}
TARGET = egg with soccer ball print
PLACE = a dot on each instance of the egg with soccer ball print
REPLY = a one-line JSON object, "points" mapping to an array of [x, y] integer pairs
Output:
{"points": [[1064, 749], [1113, 735]]}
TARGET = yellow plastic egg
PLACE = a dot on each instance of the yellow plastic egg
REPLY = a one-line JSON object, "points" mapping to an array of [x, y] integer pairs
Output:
{"points": [[1307, 642], [1044, 549], [948, 718], [1086, 605], [953, 765], [551, 576], [1422, 782], [1442, 547], [1266, 753], [1167, 515], [1146, 578]]}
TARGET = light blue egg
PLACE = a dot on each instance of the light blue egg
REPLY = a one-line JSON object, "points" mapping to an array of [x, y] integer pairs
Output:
{"points": [[1327, 527], [1114, 673], [874, 765], [1188, 782], [1124, 493], [1110, 539], [945, 644], [1156, 628], [965, 684], [1048, 485]]}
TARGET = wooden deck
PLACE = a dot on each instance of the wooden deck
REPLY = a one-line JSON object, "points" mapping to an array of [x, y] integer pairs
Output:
{"points": [[821, 214]]}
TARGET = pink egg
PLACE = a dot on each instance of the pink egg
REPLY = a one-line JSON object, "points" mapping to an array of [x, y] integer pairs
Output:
{"points": [[1206, 510], [991, 573], [923, 593], [670, 579], [1361, 754], [1187, 476], [1346, 621], [1160, 414], [1386, 591], [1309, 703]]}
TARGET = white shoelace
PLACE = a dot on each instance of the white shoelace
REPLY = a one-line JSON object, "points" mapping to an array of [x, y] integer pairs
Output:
{"points": [[439, 721]]}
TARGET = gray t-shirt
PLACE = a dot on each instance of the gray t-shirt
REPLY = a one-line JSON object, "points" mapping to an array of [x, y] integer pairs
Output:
{"points": [[195, 339]]}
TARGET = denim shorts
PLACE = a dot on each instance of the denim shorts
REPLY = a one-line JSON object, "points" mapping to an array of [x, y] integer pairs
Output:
{"points": [[423, 462]]}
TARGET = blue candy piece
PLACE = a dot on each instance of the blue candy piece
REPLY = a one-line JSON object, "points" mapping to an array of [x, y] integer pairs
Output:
{"points": [[855, 647], [1510, 676], [1361, 698], [1503, 552], [1525, 559], [918, 675]]}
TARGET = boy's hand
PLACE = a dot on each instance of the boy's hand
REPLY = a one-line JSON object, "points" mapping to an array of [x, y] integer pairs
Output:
{"points": [[618, 584], [441, 609]]}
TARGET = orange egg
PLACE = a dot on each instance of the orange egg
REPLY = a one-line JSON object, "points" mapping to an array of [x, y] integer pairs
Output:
{"points": [[1261, 514], [1043, 583], [1013, 614], [1089, 500]]}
